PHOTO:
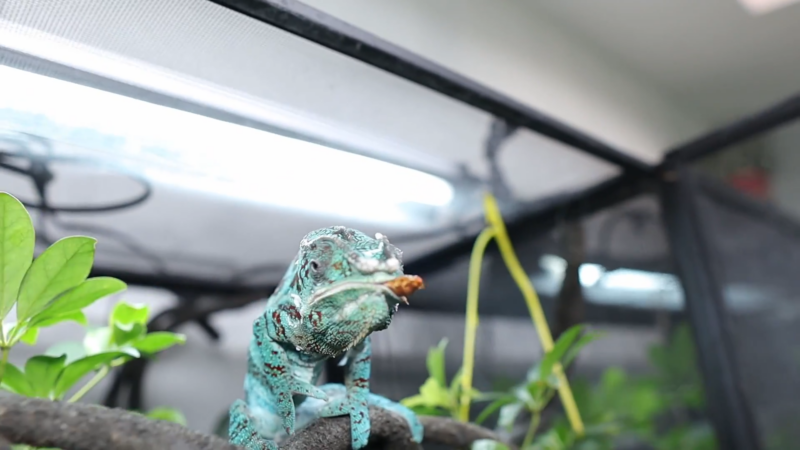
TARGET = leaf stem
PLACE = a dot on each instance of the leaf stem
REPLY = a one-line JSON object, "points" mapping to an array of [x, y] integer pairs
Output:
{"points": [[90, 384], [532, 429], [3, 361]]}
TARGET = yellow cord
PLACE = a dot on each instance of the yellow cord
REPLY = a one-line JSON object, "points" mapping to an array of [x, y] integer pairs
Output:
{"points": [[471, 326], [496, 229]]}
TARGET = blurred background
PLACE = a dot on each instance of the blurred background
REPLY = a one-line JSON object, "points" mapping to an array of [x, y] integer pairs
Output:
{"points": [[643, 155]]}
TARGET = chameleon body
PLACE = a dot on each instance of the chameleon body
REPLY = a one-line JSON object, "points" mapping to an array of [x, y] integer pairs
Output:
{"points": [[330, 300]]}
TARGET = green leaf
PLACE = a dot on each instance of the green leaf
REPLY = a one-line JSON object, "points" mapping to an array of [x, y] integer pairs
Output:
{"points": [[436, 363], [126, 313], [123, 333], [423, 410], [74, 316], [644, 403], [30, 336], [537, 390], [79, 368], [573, 351], [17, 239], [508, 414], [158, 341], [613, 380], [488, 444], [61, 267], [72, 350], [80, 297], [168, 414], [455, 389], [42, 372], [455, 384], [559, 349], [434, 393], [494, 406], [414, 401], [15, 380]]}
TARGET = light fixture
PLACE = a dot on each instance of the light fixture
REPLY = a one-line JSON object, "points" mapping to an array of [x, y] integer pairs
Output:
{"points": [[590, 274], [759, 7], [637, 280], [198, 153]]}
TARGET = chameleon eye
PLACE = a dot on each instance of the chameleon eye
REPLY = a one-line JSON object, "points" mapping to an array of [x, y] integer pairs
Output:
{"points": [[315, 266]]}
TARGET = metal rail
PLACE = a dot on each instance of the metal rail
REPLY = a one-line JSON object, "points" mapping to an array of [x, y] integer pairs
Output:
{"points": [[323, 29], [741, 130]]}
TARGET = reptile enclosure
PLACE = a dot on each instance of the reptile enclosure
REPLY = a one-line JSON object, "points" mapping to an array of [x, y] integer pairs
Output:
{"points": [[723, 259]]}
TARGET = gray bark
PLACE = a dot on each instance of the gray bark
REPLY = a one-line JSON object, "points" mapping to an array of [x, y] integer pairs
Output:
{"points": [[75, 426]]}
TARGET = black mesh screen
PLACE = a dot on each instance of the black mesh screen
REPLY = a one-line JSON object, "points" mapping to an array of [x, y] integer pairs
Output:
{"points": [[755, 255]]}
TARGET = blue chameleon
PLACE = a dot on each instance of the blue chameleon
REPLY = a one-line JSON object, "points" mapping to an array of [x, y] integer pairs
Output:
{"points": [[328, 303]]}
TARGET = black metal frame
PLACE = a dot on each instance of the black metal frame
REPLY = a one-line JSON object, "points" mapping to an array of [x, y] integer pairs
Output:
{"points": [[727, 405], [323, 29], [737, 132]]}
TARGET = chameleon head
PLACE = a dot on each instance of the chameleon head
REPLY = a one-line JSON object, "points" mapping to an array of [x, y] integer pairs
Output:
{"points": [[340, 287]]}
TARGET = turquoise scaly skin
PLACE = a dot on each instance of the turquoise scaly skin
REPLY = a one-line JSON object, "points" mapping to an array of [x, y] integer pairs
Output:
{"points": [[328, 303]]}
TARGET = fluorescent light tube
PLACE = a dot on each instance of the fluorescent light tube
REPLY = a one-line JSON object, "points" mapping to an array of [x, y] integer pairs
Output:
{"points": [[765, 6], [198, 153]]}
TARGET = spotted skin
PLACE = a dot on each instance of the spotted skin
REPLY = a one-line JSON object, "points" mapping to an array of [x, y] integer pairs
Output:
{"points": [[329, 302]]}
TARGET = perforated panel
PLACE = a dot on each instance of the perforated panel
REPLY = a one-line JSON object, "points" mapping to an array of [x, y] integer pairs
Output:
{"points": [[755, 255]]}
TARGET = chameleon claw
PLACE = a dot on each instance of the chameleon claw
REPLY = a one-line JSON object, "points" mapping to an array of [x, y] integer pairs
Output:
{"points": [[335, 408], [309, 390]]}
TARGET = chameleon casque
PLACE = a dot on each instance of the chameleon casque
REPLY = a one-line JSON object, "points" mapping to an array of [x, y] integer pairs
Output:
{"points": [[335, 293]]}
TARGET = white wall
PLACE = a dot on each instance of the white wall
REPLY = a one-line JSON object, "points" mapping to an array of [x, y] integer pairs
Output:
{"points": [[511, 47]]}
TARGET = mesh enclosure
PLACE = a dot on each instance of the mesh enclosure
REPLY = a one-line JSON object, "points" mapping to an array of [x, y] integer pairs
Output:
{"points": [[755, 250]]}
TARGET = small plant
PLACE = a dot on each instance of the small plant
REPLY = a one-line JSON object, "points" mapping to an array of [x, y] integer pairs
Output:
{"points": [[539, 387], [651, 409], [436, 397], [55, 288]]}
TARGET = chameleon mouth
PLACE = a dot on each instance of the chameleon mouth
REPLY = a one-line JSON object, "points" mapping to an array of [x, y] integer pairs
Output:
{"points": [[396, 288]]}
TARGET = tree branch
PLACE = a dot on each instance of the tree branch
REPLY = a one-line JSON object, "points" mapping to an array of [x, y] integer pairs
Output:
{"points": [[452, 433], [74, 426]]}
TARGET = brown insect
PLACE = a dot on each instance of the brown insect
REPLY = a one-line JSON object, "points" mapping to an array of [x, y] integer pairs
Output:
{"points": [[405, 285]]}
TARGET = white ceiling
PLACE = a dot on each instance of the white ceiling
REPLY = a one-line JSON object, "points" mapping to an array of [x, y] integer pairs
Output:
{"points": [[712, 55]]}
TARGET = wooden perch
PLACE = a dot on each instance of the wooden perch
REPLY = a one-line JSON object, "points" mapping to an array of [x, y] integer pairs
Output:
{"points": [[75, 426]]}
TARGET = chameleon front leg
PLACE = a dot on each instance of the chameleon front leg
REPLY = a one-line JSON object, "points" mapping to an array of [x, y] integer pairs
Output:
{"points": [[274, 372], [276, 384], [356, 399]]}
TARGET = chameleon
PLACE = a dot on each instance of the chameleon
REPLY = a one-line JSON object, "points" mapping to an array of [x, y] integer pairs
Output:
{"points": [[336, 292]]}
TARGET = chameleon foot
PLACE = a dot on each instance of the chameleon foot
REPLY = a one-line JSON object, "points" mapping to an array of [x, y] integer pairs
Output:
{"points": [[356, 405], [241, 431], [417, 430]]}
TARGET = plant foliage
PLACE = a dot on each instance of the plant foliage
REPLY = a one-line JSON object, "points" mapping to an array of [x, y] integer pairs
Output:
{"points": [[53, 288], [436, 397]]}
